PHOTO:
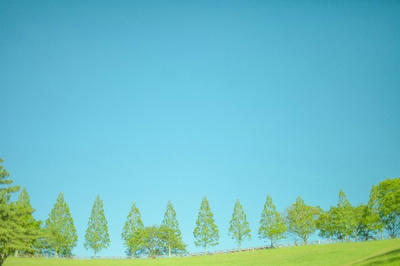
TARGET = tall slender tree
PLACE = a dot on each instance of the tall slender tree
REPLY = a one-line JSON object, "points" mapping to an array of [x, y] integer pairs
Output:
{"points": [[239, 228], [301, 219], [272, 225], [342, 218], [173, 234], [132, 233], [14, 234], [97, 237], [60, 231], [206, 232], [27, 221]]}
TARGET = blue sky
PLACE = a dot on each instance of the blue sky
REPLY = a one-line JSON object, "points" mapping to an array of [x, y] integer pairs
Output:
{"points": [[156, 101]]}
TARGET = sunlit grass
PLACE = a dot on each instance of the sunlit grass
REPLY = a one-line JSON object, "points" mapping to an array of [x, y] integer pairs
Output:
{"points": [[385, 252]]}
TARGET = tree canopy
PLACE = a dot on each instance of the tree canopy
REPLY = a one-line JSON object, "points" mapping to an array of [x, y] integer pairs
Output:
{"points": [[173, 235], [60, 231], [18, 229], [385, 198], [272, 225], [206, 231], [97, 237], [239, 228], [132, 232], [301, 219]]}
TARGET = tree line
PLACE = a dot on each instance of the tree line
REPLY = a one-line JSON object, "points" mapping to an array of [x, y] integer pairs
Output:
{"points": [[21, 233]]}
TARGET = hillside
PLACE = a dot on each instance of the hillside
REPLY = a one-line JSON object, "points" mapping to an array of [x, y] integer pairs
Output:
{"points": [[385, 252]]}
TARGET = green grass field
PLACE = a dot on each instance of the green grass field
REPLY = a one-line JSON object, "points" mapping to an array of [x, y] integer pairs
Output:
{"points": [[385, 252]]}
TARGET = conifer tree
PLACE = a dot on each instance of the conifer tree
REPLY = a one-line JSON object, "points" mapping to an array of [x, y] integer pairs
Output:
{"points": [[132, 232], [13, 234], [239, 228], [97, 237], [205, 232], [27, 221], [59, 228], [272, 225], [173, 234]]}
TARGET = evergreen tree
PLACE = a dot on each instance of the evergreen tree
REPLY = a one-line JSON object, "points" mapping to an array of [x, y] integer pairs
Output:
{"points": [[97, 236], [301, 219], [205, 232], [27, 221], [59, 228], [173, 235], [13, 233], [272, 225], [239, 228], [132, 233]]}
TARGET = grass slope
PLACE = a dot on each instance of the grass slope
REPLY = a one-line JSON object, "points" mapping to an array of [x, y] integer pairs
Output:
{"points": [[385, 252]]}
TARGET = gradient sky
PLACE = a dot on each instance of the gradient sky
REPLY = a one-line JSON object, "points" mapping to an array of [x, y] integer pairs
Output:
{"points": [[156, 101]]}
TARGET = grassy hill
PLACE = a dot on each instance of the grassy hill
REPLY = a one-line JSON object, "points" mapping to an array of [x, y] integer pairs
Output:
{"points": [[385, 252]]}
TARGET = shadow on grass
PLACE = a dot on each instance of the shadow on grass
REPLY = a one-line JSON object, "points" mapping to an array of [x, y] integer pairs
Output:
{"points": [[389, 257]]}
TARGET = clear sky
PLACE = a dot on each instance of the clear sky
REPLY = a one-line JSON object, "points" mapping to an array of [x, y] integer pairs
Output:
{"points": [[156, 101]]}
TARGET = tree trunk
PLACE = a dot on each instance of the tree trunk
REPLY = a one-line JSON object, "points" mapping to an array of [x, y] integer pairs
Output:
{"points": [[239, 246], [205, 250], [2, 259], [94, 255], [169, 250], [272, 244]]}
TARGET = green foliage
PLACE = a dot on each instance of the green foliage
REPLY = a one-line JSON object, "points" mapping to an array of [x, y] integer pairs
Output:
{"points": [[28, 222], [343, 219], [369, 223], [385, 252], [324, 225], [132, 233], [385, 199], [239, 228], [272, 225], [17, 226], [171, 232], [97, 237], [152, 241], [59, 230], [205, 232], [301, 219]]}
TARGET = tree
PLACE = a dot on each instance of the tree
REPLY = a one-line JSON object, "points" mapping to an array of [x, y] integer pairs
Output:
{"points": [[301, 219], [368, 222], [205, 232], [272, 225], [385, 199], [59, 228], [171, 231], [132, 233], [343, 218], [14, 232], [97, 236], [152, 242], [27, 221], [324, 225], [239, 228]]}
